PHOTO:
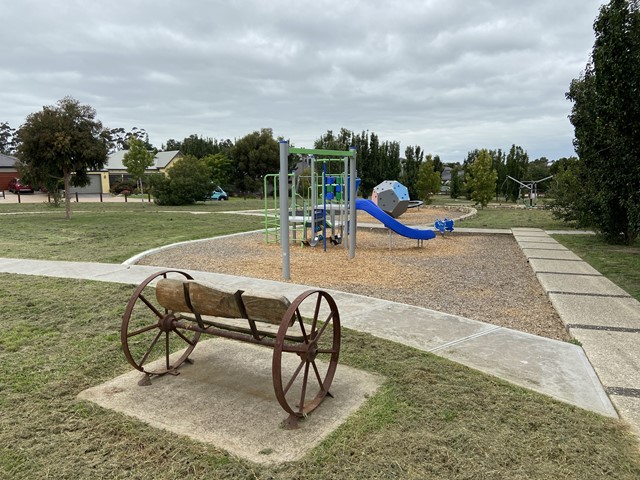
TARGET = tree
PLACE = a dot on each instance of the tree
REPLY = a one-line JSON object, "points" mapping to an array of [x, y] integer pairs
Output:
{"points": [[482, 178], [7, 139], [606, 120], [62, 142], [409, 176], [137, 160], [254, 156], [568, 191], [455, 187], [186, 182], [119, 138], [220, 167], [516, 167], [429, 180]]}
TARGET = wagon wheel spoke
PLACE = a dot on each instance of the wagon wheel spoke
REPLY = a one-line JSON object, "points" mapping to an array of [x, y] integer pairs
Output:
{"points": [[318, 377], [303, 393], [316, 313], [183, 337], [293, 377], [151, 306], [153, 344], [324, 327], [142, 330], [302, 328]]}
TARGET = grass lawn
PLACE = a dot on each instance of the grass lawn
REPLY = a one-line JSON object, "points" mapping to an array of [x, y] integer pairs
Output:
{"points": [[432, 419], [113, 232], [619, 263]]}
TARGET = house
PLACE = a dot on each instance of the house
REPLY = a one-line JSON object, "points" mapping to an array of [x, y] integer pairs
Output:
{"points": [[118, 172], [8, 170]]}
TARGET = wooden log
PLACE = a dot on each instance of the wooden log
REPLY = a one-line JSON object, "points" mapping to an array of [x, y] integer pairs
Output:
{"points": [[170, 294], [207, 299], [264, 307]]}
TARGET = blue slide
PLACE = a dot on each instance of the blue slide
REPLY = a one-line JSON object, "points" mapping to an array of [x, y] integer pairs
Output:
{"points": [[391, 223]]}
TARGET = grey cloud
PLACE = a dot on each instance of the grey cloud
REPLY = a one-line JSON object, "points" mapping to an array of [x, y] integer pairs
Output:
{"points": [[449, 75]]}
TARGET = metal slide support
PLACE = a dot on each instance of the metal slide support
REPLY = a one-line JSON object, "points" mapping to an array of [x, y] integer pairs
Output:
{"points": [[284, 208], [352, 205]]}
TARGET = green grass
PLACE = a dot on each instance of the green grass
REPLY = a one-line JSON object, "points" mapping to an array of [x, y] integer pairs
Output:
{"points": [[432, 418], [619, 263], [113, 232], [491, 217]]}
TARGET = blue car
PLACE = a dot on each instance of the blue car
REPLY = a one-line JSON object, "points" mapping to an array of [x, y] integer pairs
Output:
{"points": [[219, 194]]}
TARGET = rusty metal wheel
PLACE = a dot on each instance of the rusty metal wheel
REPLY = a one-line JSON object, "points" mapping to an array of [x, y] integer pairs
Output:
{"points": [[306, 353], [148, 331]]}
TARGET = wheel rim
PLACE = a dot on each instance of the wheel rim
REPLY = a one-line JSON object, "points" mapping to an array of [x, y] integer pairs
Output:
{"points": [[303, 370], [148, 332]]}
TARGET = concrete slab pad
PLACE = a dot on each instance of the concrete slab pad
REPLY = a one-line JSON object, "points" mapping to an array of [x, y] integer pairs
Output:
{"points": [[629, 408], [551, 254], [540, 265], [226, 398], [542, 246], [417, 327], [604, 311], [554, 368], [614, 355], [540, 239], [580, 284]]}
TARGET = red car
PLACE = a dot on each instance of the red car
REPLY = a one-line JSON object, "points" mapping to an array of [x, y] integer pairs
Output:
{"points": [[16, 186]]}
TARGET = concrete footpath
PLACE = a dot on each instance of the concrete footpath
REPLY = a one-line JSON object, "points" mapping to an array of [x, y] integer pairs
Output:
{"points": [[598, 313], [558, 369]]}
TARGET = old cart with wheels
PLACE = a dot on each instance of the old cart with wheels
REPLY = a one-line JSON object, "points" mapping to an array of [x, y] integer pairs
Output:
{"points": [[169, 311]]}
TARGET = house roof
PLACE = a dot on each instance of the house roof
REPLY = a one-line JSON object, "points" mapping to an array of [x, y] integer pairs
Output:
{"points": [[7, 161], [161, 160]]}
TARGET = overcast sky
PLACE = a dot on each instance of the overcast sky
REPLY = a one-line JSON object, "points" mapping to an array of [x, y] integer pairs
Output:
{"points": [[448, 75]]}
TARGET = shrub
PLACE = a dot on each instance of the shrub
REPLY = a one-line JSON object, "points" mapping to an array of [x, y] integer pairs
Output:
{"points": [[187, 182]]}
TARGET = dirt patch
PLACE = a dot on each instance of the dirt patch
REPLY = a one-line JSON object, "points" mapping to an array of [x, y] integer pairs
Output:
{"points": [[482, 277]]}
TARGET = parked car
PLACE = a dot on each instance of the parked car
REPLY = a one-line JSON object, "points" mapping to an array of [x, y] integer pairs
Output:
{"points": [[16, 186], [219, 194]]}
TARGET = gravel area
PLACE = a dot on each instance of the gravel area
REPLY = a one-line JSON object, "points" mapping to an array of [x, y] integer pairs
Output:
{"points": [[482, 277]]}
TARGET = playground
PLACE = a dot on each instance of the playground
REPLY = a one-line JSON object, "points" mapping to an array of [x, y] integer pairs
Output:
{"points": [[483, 277]]}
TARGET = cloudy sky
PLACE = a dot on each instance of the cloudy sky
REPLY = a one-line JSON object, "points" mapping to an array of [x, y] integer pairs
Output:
{"points": [[449, 75]]}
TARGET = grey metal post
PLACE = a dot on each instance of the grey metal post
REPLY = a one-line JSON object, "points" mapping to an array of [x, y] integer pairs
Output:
{"points": [[344, 216], [352, 206], [284, 208], [314, 192]]}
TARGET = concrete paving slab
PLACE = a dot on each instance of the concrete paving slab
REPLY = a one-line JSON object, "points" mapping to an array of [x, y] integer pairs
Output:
{"points": [[603, 311], [614, 355], [226, 398], [579, 284], [629, 408], [540, 239], [551, 254], [542, 246], [529, 232], [551, 367], [540, 265], [417, 327]]}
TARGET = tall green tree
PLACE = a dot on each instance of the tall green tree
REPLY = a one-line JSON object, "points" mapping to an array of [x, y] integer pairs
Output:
{"points": [[606, 119], [254, 156], [414, 155], [429, 180], [137, 160], [62, 142], [516, 166], [455, 186], [481, 178]]}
